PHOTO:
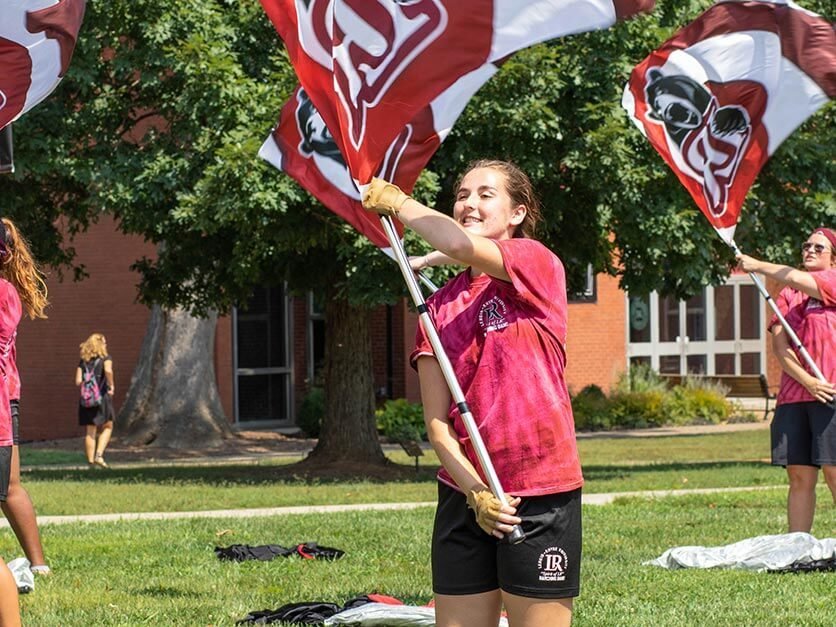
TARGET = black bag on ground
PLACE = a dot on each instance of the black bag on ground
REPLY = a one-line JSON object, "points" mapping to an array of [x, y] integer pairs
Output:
{"points": [[313, 613], [245, 552]]}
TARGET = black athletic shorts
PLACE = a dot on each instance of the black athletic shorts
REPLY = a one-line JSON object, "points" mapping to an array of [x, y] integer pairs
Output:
{"points": [[5, 471], [15, 409], [804, 434], [466, 560]]}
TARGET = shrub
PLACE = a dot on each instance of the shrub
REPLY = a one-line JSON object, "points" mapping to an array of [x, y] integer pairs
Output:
{"points": [[401, 420], [638, 410], [697, 401], [640, 378], [591, 409], [311, 411]]}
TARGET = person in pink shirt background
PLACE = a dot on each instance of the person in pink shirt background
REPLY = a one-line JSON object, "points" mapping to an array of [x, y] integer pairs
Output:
{"points": [[502, 322], [22, 289], [804, 425]]}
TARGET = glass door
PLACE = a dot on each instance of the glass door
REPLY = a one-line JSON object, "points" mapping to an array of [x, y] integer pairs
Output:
{"points": [[262, 358], [718, 331]]}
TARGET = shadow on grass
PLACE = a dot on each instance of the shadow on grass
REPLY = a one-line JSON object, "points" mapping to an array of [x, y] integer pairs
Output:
{"points": [[307, 473], [244, 474], [603, 473]]}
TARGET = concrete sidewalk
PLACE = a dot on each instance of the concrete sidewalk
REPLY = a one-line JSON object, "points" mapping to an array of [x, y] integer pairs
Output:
{"points": [[588, 499]]}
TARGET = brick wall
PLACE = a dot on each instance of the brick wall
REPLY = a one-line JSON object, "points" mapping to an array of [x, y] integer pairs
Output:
{"points": [[596, 346], [47, 350]]}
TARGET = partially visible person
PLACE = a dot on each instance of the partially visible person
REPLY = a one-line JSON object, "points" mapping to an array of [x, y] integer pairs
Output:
{"points": [[502, 322], [804, 425], [96, 365], [22, 288], [9, 606]]}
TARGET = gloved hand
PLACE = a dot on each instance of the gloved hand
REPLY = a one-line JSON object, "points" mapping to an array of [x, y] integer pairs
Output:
{"points": [[486, 507], [384, 198]]}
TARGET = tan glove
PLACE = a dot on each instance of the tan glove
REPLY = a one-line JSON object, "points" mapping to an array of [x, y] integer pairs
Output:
{"points": [[384, 198], [486, 507]]}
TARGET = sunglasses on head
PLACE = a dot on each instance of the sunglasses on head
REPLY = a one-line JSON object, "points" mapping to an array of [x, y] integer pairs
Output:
{"points": [[817, 248]]}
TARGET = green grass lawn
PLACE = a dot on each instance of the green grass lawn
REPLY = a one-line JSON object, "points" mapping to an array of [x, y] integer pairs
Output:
{"points": [[165, 572], [610, 465]]}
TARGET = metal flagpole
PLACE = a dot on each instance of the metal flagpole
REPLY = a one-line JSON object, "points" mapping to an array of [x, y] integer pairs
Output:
{"points": [[516, 536], [793, 337]]}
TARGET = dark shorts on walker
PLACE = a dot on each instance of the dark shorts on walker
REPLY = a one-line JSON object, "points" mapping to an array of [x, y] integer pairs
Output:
{"points": [[466, 560], [5, 471], [15, 410], [804, 434]]}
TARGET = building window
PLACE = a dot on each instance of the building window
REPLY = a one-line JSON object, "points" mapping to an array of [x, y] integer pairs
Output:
{"points": [[718, 331], [589, 293], [316, 340], [262, 358]]}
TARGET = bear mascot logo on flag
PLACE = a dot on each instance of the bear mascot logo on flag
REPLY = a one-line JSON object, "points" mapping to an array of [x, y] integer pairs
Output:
{"points": [[707, 130]]}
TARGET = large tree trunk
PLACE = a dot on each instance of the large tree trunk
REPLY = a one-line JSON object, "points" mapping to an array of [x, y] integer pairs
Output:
{"points": [[348, 432], [173, 398]]}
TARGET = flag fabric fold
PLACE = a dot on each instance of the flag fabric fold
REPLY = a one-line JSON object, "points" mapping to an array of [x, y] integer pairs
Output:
{"points": [[388, 79], [718, 98], [302, 146], [37, 39]]}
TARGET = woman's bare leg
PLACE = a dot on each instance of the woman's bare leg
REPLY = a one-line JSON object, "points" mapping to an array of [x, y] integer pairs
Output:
{"points": [[801, 499], [468, 610], [20, 512], [104, 438], [90, 443], [528, 612], [9, 607]]}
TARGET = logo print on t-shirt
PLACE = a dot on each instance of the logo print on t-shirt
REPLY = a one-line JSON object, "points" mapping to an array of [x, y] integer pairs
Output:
{"points": [[553, 564], [492, 315]]}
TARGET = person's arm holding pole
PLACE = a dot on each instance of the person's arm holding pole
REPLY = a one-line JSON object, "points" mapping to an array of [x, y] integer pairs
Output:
{"points": [[391, 202], [494, 517], [822, 391]]}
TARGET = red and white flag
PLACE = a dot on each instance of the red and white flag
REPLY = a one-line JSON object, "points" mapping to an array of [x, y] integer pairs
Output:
{"points": [[718, 98], [37, 39], [371, 66], [302, 146]]}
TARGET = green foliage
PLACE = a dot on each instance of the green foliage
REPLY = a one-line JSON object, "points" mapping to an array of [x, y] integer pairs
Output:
{"points": [[162, 112], [311, 411], [637, 410], [641, 399], [640, 378], [399, 420], [591, 409]]}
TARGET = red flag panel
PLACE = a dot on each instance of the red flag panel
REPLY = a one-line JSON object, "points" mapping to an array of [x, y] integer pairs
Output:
{"points": [[37, 38], [718, 98], [302, 146], [370, 66]]}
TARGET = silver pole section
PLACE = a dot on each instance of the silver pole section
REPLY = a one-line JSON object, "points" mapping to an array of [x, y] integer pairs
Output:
{"points": [[517, 535], [793, 337]]}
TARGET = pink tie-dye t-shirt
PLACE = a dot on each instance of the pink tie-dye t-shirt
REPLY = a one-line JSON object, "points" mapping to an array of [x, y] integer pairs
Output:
{"points": [[10, 311], [506, 342], [814, 321]]}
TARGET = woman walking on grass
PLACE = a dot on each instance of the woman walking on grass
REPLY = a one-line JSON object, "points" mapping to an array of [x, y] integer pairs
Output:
{"points": [[94, 376], [503, 325], [804, 425], [22, 288]]}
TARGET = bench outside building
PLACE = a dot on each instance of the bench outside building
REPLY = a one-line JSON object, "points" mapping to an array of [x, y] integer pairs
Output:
{"points": [[743, 386]]}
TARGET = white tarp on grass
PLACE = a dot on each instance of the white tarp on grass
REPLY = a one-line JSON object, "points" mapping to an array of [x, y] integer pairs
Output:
{"points": [[759, 553]]}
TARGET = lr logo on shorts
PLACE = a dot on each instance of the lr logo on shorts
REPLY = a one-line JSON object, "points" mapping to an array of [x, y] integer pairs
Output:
{"points": [[553, 564]]}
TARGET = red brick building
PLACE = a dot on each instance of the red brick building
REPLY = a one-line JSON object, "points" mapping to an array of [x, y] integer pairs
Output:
{"points": [[267, 356]]}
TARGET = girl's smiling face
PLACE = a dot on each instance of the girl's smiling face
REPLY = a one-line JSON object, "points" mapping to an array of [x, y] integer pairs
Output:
{"points": [[483, 205]]}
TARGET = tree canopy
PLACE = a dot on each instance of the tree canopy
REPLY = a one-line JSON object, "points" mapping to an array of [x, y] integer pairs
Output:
{"points": [[160, 118]]}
